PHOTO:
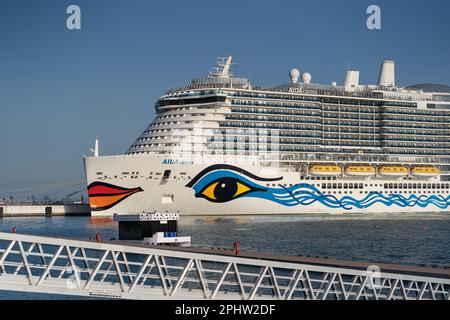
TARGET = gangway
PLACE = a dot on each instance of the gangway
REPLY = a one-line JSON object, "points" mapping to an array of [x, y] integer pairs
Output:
{"points": [[51, 265]]}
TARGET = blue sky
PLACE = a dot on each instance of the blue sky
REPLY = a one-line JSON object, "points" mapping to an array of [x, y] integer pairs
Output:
{"points": [[60, 89]]}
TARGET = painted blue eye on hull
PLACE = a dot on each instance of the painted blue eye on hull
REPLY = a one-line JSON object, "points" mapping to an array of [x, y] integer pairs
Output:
{"points": [[222, 174], [305, 194]]}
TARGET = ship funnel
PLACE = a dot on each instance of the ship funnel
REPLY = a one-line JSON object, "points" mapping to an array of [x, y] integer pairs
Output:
{"points": [[387, 74], [351, 79]]}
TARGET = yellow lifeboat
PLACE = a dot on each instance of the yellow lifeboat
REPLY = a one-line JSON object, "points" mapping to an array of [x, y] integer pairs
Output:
{"points": [[393, 170], [325, 170], [360, 170], [425, 171]]}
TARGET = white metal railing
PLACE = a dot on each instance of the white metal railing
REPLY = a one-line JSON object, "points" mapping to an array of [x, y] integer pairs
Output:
{"points": [[87, 268]]}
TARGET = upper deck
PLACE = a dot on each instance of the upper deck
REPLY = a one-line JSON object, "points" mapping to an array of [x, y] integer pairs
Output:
{"points": [[349, 89], [303, 121]]}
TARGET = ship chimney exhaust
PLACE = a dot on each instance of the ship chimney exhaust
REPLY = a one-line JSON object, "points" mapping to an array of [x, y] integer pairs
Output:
{"points": [[351, 79], [387, 74]]}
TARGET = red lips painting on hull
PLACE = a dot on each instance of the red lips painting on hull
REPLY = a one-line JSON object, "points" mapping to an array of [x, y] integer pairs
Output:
{"points": [[103, 196]]}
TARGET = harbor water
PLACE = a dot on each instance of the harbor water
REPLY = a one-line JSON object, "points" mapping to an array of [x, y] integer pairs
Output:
{"points": [[415, 239]]}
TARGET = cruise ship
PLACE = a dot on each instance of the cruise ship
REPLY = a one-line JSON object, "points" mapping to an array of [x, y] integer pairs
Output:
{"points": [[223, 146]]}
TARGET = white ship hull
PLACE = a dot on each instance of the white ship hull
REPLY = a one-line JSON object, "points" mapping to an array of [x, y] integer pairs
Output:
{"points": [[131, 184]]}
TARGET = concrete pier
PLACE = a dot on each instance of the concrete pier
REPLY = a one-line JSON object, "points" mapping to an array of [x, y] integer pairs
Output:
{"points": [[20, 210]]}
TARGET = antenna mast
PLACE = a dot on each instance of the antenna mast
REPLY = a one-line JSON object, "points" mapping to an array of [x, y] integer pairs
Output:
{"points": [[223, 67], [96, 149]]}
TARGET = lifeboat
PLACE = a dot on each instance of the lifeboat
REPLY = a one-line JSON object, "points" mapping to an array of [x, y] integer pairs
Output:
{"points": [[360, 170], [395, 171], [425, 171], [325, 170]]}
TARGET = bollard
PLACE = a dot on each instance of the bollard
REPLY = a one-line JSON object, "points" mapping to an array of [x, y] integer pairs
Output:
{"points": [[236, 247]]}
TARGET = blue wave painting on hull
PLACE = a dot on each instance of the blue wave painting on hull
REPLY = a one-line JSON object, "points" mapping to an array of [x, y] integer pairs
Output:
{"points": [[222, 186]]}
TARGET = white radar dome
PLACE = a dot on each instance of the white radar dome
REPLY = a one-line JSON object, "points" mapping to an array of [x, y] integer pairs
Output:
{"points": [[294, 74], [306, 77]]}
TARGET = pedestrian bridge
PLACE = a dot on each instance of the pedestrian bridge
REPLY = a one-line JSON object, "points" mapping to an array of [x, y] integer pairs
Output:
{"points": [[123, 271]]}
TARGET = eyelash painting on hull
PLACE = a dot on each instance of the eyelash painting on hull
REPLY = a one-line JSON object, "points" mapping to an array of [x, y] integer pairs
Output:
{"points": [[223, 185]]}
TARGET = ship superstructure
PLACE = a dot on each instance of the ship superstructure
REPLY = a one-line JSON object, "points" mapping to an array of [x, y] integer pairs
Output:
{"points": [[223, 146]]}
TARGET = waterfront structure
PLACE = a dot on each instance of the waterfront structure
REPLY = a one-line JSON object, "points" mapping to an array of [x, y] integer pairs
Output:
{"points": [[72, 267], [222, 146], [151, 229], [37, 210]]}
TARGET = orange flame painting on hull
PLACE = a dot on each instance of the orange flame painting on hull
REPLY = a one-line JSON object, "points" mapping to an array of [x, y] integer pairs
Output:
{"points": [[103, 195]]}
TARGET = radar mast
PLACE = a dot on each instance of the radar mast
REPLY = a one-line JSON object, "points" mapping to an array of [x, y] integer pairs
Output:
{"points": [[223, 67]]}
